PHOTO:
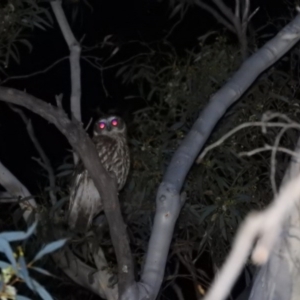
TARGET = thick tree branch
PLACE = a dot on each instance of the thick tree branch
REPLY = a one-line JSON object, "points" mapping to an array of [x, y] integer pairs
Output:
{"points": [[75, 50], [185, 155], [167, 199], [83, 145], [95, 280]]}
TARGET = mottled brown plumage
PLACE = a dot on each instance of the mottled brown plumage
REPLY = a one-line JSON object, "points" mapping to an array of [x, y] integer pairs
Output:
{"points": [[110, 138]]}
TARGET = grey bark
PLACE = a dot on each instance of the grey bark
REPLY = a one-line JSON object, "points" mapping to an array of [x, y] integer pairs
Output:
{"points": [[279, 278]]}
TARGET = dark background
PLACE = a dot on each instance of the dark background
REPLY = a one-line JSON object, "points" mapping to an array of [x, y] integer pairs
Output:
{"points": [[138, 20]]}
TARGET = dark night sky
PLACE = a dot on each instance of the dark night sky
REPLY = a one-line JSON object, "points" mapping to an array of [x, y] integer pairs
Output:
{"points": [[126, 20]]}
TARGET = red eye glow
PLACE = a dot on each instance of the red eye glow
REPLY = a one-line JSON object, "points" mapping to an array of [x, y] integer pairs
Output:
{"points": [[114, 122], [102, 125]]}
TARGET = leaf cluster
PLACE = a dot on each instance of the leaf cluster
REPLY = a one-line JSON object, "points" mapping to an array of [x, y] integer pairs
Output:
{"points": [[16, 269], [16, 18]]}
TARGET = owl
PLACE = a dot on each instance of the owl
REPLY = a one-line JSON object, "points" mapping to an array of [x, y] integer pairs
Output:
{"points": [[110, 138]]}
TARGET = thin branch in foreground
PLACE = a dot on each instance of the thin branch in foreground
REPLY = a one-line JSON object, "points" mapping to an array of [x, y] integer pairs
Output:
{"points": [[264, 227], [270, 148], [264, 124], [242, 126]]}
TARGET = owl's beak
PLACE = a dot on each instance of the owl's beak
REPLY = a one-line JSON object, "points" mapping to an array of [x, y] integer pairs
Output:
{"points": [[108, 127]]}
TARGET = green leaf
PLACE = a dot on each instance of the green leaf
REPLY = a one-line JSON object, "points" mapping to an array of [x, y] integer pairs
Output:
{"points": [[50, 248]]}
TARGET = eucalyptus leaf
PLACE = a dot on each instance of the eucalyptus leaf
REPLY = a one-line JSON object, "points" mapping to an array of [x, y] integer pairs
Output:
{"points": [[6, 249], [20, 297], [43, 271], [18, 235], [23, 272], [41, 291], [50, 248]]}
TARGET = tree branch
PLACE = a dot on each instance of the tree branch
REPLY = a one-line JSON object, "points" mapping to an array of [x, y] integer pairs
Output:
{"points": [[75, 50], [264, 228], [16, 189], [79, 272], [106, 186], [167, 199]]}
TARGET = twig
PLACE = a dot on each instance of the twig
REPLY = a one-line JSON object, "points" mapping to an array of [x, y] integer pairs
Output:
{"points": [[35, 73], [176, 23], [46, 164], [216, 15], [232, 21], [264, 124], [177, 291], [242, 126], [10, 199], [104, 67], [268, 148], [89, 124], [58, 99]]}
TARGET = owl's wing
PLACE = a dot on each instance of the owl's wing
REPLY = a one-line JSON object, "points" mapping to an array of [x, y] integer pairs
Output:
{"points": [[85, 202]]}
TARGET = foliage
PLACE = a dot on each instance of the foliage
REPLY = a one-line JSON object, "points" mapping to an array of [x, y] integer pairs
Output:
{"points": [[224, 187], [17, 16], [220, 191], [17, 269]]}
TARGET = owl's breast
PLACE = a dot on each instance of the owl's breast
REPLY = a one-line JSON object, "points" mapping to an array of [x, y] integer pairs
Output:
{"points": [[115, 158]]}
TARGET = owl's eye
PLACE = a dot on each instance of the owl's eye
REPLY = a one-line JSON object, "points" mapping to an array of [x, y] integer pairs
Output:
{"points": [[114, 122], [102, 125]]}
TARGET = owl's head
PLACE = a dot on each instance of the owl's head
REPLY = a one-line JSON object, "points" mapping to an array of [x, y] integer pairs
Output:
{"points": [[110, 126]]}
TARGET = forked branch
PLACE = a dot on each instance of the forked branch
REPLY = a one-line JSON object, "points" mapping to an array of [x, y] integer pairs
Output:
{"points": [[83, 145]]}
